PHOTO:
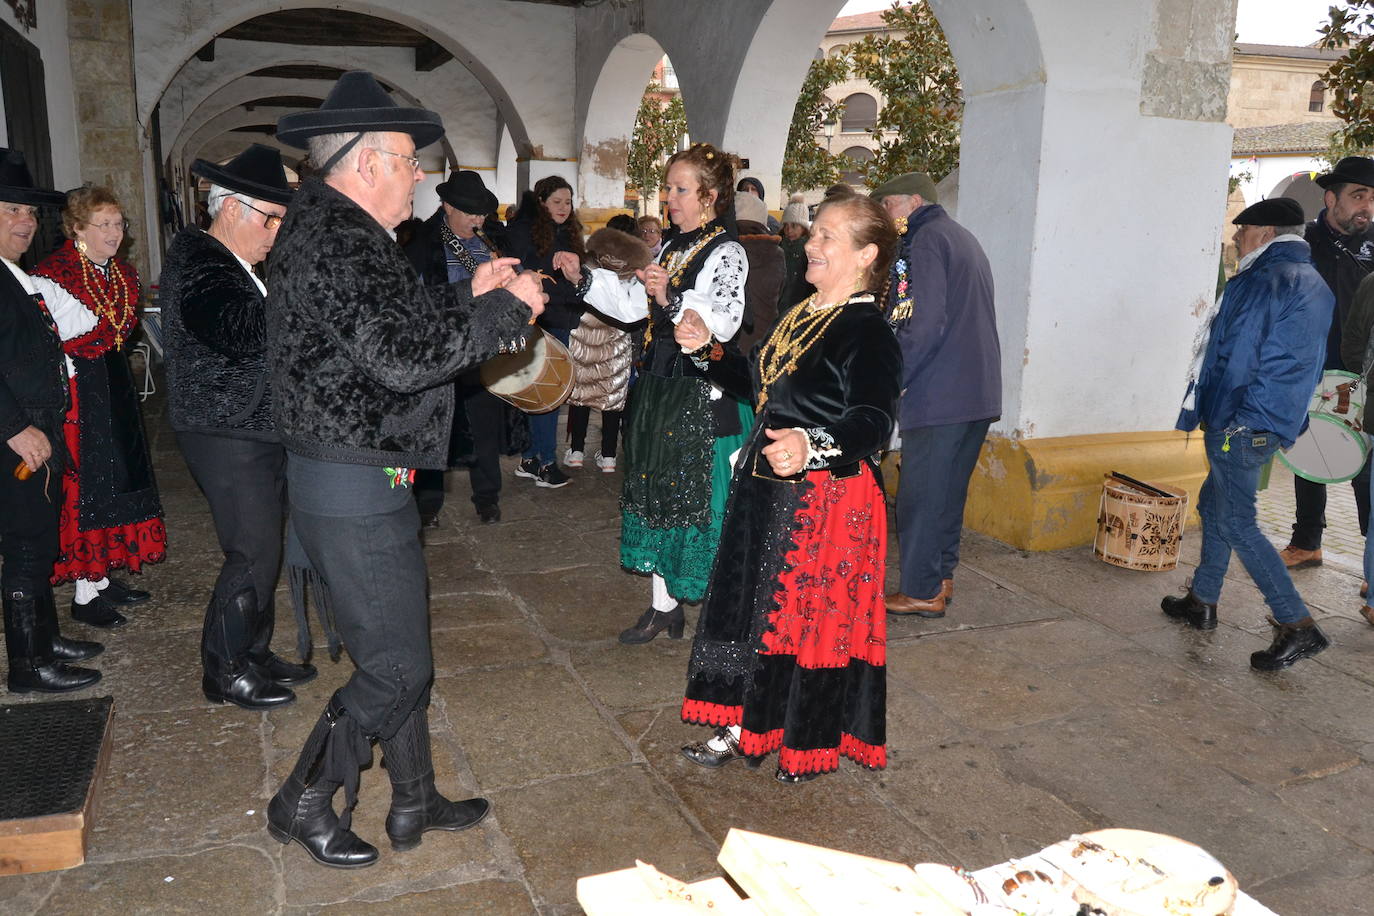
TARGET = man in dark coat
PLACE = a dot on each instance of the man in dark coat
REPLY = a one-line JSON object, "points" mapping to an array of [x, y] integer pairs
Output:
{"points": [[1262, 361], [363, 356], [940, 304], [1342, 243], [214, 312], [33, 402]]}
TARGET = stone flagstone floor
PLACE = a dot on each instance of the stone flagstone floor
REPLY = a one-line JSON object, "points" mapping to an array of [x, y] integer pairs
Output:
{"points": [[1053, 698]]}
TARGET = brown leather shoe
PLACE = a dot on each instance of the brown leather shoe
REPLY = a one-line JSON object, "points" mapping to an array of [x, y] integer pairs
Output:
{"points": [[1364, 589], [905, 606], [1297, 558], [947, 590], [1367, 613]]}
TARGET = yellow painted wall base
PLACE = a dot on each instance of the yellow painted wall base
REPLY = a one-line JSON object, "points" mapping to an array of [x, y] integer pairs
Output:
{"points": [[1043, 494]]}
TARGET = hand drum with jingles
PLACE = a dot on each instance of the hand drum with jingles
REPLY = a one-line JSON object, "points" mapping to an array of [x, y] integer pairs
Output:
{"points": [[1334, 446], [537, 379], [1139, 525]]}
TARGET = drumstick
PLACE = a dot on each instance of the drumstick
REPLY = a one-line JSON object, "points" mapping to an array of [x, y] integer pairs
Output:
{"points": [[1140, 485]]}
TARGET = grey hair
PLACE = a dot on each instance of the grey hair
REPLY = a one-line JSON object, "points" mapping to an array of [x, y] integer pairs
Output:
{"points": [[324, 146], [1297, 230], [218, 195]]}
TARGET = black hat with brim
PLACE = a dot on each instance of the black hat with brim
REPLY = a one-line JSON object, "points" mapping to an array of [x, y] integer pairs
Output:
{"points": [[1276, 211], [257, 172], [358, 104], [1350, 170], [465, 191], [16, 184]]}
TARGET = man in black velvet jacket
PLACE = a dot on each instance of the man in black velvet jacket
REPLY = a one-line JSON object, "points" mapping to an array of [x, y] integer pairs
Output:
{"points": [[363, 357], [214, 310]]}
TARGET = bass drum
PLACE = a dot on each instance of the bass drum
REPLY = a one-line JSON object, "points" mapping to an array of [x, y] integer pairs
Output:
{"points": [[1334, 447]]}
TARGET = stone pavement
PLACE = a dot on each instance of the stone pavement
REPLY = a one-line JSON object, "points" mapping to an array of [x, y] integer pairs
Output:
{"points": [[1342, 543], [1054, 698]]}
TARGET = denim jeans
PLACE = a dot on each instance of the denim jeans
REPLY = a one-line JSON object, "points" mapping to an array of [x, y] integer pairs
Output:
{"points": [[1227, 507]]}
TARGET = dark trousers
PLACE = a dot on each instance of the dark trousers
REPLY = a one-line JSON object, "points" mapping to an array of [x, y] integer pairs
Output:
{"points": [[937, 462], [363, 538], [578, 420], [486, 416], [1311, 509], [244, 481], [28, 525]]}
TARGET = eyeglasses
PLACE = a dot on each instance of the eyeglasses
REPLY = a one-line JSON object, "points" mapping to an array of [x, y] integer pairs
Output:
{"points": [[413, 160], [122, 225], [271, 221]]}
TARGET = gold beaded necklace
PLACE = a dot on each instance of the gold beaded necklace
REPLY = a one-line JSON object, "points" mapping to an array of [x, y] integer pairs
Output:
{"points": [[116, 306], [797, 332]]}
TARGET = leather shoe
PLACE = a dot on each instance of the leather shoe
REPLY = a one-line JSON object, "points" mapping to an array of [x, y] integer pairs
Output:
{"points": [[653, 622], [1292, 643], [905, 606], [1297, 558], [249, 690], [793, 779], [703, 754], [947, 590], [1367, 613], [74, 650], [489, 513], [285, 673], [1364, 589], [98, 612], [54, 677], [120, 593], [1191, 610]]}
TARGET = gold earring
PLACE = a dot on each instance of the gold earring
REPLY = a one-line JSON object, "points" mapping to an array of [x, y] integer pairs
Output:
{"points": [[81, 245]]}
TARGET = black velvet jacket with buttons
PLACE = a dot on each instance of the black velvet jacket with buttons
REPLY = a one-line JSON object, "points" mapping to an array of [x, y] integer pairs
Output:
{"points": [[214, 321], [843, 393], [360, 349], [32, 370]]}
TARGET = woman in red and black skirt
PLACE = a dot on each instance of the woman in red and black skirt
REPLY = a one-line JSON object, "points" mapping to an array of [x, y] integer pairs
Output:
{"points": [[790, 651], [111, 516]]}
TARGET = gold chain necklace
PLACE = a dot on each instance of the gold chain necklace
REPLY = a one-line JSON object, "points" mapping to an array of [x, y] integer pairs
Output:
{"points": [[116, 307], [797, 332]]}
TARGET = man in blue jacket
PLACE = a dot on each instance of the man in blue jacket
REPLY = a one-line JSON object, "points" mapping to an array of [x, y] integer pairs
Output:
{"points": [[940, 305], [1262, 362]]}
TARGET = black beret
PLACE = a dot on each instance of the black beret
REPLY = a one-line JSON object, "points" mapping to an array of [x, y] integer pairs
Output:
{"points": [[1276, 211]]}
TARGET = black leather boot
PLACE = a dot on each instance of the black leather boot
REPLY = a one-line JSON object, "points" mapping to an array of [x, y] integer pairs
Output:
{"points": [[276, 668], [98, 612], [416, 805], [1292, 643], [1191, 610], [230, 676], [653, 622], [28, 643], [303, 808], [63, 649]]}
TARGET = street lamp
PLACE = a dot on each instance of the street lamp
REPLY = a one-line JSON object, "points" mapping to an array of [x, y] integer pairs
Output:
{"points": [[829, 125]]}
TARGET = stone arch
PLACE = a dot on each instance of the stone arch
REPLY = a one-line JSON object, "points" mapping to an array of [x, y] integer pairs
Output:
{"points": [[1304, 190], [609, 122]]}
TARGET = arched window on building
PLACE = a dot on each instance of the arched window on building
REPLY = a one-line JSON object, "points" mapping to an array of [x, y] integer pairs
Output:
{"points": [[860, 113], [1316, 101], [838, 50], [857, 154]]}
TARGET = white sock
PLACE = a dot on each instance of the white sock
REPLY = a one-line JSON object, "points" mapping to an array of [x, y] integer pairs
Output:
{"points": [[717, 743], [86, 591], [662, 602], [102, 584]]}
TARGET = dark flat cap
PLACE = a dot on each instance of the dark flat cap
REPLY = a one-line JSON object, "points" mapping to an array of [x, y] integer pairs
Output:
{"points": [[1276, 211], [906, 185], [1352, 170]]}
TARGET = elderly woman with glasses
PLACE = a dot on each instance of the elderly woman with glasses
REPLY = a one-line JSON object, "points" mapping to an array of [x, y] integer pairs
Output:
{"points": [[111, 517]]}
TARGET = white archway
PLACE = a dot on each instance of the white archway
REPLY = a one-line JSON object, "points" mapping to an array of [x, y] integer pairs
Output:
{"points": [[610, 118]]}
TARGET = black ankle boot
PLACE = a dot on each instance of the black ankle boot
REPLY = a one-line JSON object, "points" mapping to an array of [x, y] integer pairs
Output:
{"points": [[98, 612], [1292, 643], [653, 622], [416, 805], [229, 675], [29, 645], [303, 811], [1191, 610], [63, 649]]}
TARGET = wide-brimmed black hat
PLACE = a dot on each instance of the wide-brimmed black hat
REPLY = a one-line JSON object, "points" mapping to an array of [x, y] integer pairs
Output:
{"points": [[1352, 170], [358, 104], [257, 172], [465, 191], [16, 184], [1276, 211]]}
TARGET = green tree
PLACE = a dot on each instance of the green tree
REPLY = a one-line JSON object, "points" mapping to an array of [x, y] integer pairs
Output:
{"points": [[659, 127], [806, 163], [912, 67], [1351, 28]]}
